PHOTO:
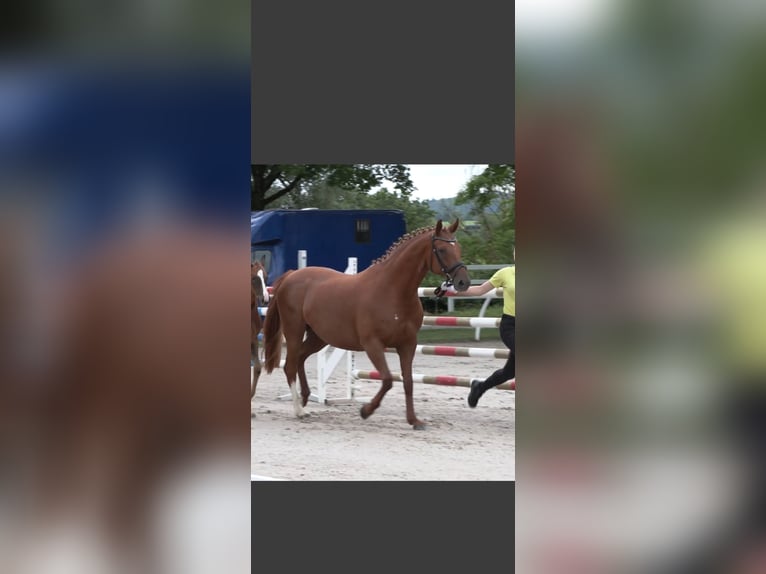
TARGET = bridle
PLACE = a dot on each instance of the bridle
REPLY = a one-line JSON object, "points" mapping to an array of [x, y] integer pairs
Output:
{"points": [[447, 272]]}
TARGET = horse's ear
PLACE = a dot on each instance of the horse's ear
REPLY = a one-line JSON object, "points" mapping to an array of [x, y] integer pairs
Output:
{"points": [[452, 228], [438, 228], [263, 260]]}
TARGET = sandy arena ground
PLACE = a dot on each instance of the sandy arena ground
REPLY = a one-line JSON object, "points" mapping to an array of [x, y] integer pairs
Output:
{"points": [[335, 443]]}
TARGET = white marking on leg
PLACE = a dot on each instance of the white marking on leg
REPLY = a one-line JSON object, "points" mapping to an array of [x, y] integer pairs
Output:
{"points": [[297, 402]]}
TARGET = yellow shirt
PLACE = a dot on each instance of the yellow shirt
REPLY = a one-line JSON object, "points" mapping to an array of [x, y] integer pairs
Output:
{"points": [[506, 278], [736, 270]]}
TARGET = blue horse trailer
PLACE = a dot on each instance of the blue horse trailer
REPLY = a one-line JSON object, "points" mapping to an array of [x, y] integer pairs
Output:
{"points": [[329, 236]]}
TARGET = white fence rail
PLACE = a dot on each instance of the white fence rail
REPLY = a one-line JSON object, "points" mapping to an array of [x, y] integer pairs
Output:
{"points": [[499, 292], [488, 297]]}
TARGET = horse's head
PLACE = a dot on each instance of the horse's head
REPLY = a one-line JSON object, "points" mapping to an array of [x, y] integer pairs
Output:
{"points": [[258, 279], [445, 256]]}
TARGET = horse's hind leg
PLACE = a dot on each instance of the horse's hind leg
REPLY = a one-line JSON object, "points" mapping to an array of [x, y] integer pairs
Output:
{"points": [[311, 345], [255, 328], [291, 370], [256, 367], [294, 338], [376, 353]]}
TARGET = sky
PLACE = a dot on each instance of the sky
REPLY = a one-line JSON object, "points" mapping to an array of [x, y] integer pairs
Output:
{"points": [[440, 181], [543, 21]]}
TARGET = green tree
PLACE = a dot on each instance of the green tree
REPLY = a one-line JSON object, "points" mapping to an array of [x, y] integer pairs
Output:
{"points": [[492, 195], [324, 196], [417, 214], [269, 183], [320, 195]]}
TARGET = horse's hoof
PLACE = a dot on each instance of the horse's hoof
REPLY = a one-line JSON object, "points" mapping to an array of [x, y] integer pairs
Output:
{"points": [[363, 412], [419, 426]]}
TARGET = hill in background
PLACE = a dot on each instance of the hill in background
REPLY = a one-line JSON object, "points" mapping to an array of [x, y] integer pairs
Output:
{"points": [[446, 208]]}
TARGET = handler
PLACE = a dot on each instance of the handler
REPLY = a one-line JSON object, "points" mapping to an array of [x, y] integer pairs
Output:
{"points": [[505, 278]]}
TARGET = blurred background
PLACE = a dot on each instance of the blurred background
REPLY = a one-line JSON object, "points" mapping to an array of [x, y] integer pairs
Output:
{"points": [[124, 146], [641, 203]]}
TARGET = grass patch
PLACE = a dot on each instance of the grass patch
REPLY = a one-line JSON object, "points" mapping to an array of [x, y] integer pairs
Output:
{"points": [[456, 335], [463, 308]]}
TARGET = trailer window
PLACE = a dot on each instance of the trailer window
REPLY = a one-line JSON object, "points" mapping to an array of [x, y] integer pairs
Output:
{"points": [[255, 255], [362, 230]]}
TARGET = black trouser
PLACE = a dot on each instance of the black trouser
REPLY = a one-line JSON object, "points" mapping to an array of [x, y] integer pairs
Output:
{"points": [[508, 336], [746, 420]]}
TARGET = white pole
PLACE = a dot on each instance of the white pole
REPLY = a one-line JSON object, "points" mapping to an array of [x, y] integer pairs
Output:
{"points": [[351, 270]]}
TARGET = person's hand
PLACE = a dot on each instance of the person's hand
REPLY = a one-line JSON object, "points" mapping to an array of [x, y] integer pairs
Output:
{"points": [[445, 289]]}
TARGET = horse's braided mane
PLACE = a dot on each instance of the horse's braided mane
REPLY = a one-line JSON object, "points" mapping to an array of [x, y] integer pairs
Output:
{"points": [[403, 239]]}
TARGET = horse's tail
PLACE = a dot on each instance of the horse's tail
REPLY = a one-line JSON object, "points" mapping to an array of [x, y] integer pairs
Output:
{"points": [[272, 338], [272, 329]]}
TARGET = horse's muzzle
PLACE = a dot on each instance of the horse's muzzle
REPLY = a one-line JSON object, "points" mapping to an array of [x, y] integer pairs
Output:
{"points": [[461, 283]]}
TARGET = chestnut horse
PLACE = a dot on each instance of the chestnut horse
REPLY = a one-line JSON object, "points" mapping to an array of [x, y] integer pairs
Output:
{"points": [[258, 293], [370, 311]]}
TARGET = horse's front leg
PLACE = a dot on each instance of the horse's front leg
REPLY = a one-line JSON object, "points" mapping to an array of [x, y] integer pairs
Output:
{"points": [[255, 327], [256, 366], [406, 356]]}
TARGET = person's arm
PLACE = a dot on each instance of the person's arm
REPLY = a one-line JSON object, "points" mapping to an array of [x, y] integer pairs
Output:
{"points": [[476, 290], [473, 290]]}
